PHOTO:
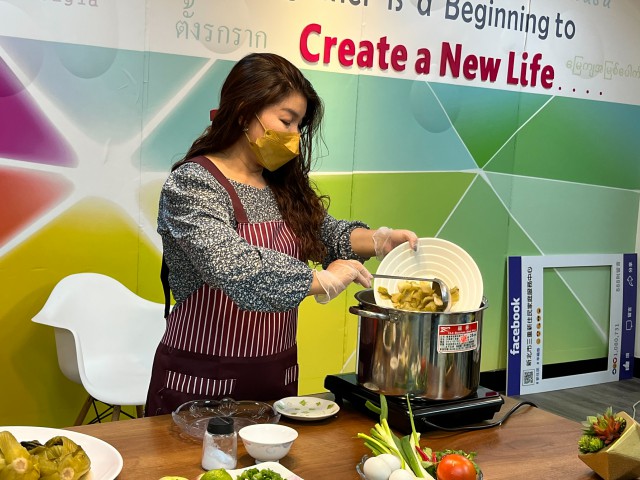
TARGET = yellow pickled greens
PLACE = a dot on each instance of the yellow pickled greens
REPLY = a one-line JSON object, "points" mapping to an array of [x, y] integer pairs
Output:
{"points": [[18, 462], [60, 458]]}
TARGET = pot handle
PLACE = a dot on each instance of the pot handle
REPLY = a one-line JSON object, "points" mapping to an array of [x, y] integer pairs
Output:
{"points": [[367, 314]]}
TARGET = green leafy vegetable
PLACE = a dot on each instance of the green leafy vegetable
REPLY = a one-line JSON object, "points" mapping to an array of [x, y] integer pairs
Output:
{"points": [[422, 462], [255, 474], [381, 438]]}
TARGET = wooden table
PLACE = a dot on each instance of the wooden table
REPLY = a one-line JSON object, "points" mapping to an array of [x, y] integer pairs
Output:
{"points": [[532, 444]]}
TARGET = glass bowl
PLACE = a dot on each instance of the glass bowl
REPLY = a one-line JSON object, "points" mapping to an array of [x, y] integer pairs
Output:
{"points": [[192, 417], [360, 465]]}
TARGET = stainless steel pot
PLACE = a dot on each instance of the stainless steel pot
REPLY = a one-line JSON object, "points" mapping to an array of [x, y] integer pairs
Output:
{"points": [[430, 355]]}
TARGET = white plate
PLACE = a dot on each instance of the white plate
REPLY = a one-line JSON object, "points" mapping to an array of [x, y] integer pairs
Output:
{"points": [[306, 408], [275, 466], [106, 461], [438, 258]]}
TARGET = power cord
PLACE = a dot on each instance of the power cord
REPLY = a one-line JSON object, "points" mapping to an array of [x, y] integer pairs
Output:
{"points": [[483, 426]]}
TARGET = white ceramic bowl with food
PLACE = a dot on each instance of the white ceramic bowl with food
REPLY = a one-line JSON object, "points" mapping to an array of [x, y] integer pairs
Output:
{"points": [[267, 442]]}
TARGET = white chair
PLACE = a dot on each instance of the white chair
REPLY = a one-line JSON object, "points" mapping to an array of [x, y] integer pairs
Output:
{"points": [[106, 337]]}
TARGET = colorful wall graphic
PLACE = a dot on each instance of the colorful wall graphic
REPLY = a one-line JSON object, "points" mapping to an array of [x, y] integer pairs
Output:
{"points": [[507, 127]]}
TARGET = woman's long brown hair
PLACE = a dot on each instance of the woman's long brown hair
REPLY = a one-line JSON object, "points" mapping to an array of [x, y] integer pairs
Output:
{"points": [[254, 83]]}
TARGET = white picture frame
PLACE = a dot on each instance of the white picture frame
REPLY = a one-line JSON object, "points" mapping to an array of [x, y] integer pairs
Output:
{"points": [[525, 307]]}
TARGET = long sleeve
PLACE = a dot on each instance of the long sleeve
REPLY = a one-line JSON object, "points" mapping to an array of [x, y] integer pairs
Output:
{"points": [[201, 244], [336, 235]]}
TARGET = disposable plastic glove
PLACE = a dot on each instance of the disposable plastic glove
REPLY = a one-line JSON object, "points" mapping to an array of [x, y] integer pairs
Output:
{"points": [[386, 239], [338, 275]]}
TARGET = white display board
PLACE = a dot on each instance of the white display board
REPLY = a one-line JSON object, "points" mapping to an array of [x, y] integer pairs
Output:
{"points": [[526, 321]]}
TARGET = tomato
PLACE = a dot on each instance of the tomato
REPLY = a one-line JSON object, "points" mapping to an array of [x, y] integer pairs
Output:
{"points": [[455, 467]]}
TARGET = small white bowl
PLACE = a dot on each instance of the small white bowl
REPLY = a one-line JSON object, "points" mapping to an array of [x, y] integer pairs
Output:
{"points": [[267, 442]]}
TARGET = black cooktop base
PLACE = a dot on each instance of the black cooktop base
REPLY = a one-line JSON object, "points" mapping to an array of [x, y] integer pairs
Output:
{"points": [[427, 414]]}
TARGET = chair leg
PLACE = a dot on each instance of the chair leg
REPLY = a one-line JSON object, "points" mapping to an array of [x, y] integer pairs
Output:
{"points": [[83, 411], [116, 413], [140, 411]]}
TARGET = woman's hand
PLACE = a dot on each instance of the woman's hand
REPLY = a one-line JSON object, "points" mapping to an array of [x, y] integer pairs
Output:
{"points": [[386, 239], [337, 277]]}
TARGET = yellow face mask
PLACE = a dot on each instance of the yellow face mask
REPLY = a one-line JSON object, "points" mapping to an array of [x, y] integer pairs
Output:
{"points": [[274, 149]]}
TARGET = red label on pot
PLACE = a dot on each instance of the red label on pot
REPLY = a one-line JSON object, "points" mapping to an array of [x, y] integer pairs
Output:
{"points": [[457, 338]]}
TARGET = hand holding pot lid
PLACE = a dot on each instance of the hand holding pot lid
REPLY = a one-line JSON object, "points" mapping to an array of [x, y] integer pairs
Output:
{"points": [[386, 239]]}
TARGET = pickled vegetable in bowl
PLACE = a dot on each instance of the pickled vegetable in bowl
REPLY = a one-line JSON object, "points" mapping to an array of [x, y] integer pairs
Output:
{"points": [[419, 296], [434, 258]]}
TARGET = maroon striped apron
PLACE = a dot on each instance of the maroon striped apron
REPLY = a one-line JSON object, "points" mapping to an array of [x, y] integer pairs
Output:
{"points": [[213, 349]]}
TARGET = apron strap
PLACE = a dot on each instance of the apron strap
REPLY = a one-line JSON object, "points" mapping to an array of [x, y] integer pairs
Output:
{"points": [[164, 278], [238, 211]]}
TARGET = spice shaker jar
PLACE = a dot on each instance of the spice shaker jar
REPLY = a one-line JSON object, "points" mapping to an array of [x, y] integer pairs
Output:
{"points": [[220, 444]]}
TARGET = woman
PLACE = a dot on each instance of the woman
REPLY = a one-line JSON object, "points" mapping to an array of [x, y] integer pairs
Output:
{"points": [[240, 221]]}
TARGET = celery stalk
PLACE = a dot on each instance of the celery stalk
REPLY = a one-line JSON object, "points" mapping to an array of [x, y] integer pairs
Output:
{"points": [[413, 460], [410, 447], [382, 439]]}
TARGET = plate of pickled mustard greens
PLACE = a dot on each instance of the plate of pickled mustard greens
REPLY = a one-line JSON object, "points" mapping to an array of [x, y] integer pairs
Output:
{"points": [[404, 458], [263, 471], [40, 452]]}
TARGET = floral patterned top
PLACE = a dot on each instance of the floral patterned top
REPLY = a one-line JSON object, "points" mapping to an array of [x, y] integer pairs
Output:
{"points": [[197, 225]]}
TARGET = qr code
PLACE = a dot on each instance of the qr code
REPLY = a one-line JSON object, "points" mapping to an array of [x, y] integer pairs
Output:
{"points": [[528, 377]]}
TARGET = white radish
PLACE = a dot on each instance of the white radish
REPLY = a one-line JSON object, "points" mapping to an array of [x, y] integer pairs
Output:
{"points": [[376, 468], [401, 475], [391, 460]]}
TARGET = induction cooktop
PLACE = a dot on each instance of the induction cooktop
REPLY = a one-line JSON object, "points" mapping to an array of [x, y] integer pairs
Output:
{"points": [[427, 414]]}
